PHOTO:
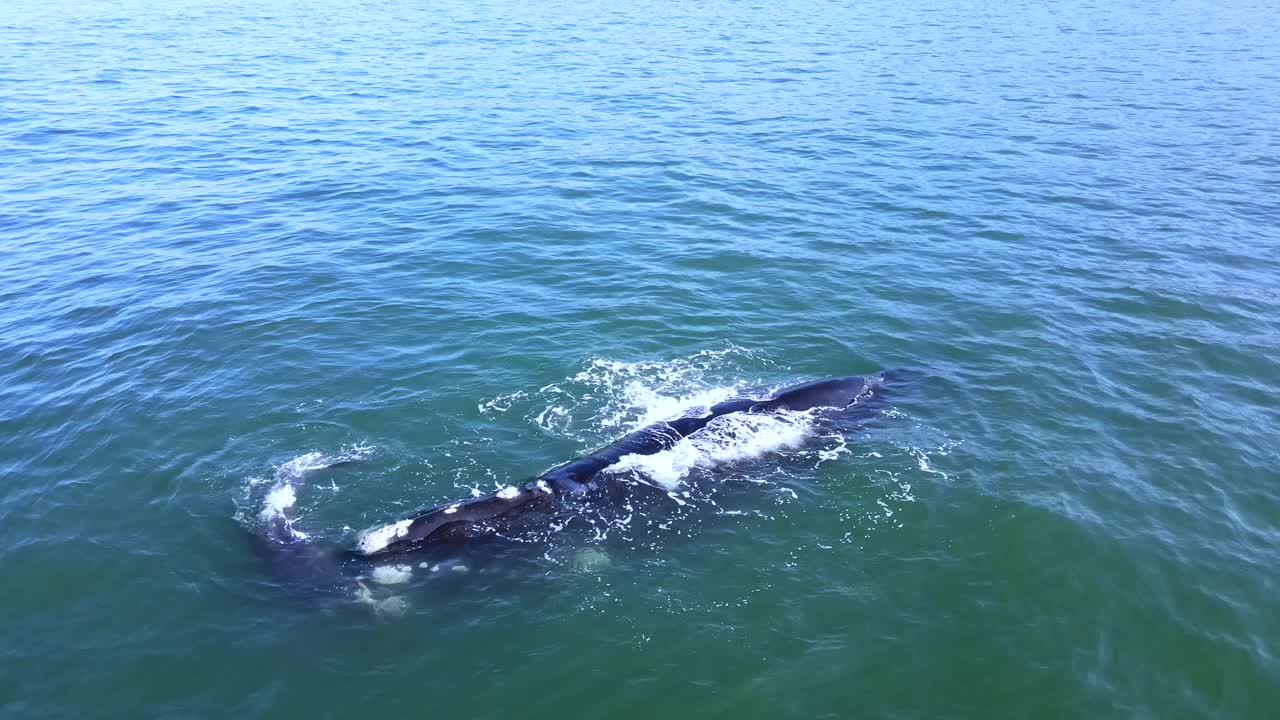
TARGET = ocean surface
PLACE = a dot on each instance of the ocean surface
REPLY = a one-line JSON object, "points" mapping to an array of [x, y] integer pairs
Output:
{"points": [[350, 259]]}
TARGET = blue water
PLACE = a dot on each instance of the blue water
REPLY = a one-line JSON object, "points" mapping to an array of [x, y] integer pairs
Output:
{"points": [[458, 243]]}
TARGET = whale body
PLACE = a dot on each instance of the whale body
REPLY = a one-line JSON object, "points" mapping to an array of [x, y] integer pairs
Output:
{"points": [[472, 518]]}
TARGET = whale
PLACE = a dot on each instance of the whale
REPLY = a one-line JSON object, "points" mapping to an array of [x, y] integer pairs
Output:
{"points": [[576, 483]]}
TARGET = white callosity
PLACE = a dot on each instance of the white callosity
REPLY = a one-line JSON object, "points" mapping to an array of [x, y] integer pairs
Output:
{"points": [[378, 539]]}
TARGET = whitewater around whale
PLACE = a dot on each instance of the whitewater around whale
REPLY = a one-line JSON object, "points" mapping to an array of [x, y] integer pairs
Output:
{"points": [[584, 480]]}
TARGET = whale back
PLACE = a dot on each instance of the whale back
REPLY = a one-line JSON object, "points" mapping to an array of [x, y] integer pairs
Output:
{"points": [[837, 392]]}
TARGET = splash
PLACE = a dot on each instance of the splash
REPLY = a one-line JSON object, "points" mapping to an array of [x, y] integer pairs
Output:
{"points": [[727, 440], [608, 398], [392, 574], [282, 494], [608, 395], [280, 499]]}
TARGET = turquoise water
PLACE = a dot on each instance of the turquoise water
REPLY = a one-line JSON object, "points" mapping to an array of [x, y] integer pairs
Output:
{"points": [[462, 242]]}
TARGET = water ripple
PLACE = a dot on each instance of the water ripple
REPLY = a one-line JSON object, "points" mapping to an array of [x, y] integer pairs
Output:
{"points": [[239, 233]]}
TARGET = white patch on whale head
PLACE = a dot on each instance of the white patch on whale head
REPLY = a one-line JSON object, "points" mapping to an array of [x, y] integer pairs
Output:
{"points": [[377, 539], [508, 492]]}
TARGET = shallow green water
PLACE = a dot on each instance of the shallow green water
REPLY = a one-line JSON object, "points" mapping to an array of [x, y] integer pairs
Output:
{"points": [[463, 242]]}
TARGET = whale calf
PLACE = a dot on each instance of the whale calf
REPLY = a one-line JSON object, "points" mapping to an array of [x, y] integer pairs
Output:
{"points": [[496, 513]]}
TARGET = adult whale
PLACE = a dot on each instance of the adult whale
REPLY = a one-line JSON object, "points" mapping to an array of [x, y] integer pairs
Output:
{"points": [[580, 480]]}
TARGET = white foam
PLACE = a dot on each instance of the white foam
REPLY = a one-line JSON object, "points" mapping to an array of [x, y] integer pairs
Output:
{"points": [[654, 405], [502, 403], [392, 606], [300, 465], [278, 500], [550, 417], [377, 539], [283, 494], [841, 447], [610, 394], [591, 560], [728, 439], [307, 462], [281, 498], [392, 574]]}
